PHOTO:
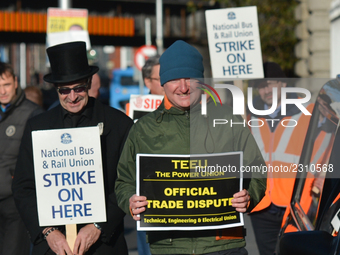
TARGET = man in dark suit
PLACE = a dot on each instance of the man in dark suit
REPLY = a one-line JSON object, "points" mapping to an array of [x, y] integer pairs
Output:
{"points": [[71, 75]]}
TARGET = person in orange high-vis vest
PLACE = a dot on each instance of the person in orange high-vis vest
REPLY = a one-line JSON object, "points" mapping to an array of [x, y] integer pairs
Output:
{"points": [[280, 142]]}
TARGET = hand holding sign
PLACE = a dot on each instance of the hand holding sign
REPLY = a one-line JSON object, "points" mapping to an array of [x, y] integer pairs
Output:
{"points": [[86, 237], [240, 201], [58, 244], [137, 205]]}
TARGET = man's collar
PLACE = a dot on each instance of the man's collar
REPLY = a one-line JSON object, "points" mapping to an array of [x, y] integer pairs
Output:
{"points": [[167, 103], [4, 108]]}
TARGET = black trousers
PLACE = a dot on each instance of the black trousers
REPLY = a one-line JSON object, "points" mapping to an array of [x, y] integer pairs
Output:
{"points": [[236, 251], [267, 225], [14, 239]]}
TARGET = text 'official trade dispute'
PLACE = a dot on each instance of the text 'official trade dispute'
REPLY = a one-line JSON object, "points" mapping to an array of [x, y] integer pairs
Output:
{"points": [[181, 195]]}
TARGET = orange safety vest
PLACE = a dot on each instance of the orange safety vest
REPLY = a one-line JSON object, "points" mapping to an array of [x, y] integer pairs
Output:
{"points": [[127, 108], [281, 150]]}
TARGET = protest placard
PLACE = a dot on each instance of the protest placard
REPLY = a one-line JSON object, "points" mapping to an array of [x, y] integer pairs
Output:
{"points": [[67, 25], [234, 43], [141, 105], [189, 192], [68, 176]]}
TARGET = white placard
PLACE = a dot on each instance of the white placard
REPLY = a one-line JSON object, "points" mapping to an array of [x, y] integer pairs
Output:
{"points": [[141, 105], [68, 176], [234, 43]]}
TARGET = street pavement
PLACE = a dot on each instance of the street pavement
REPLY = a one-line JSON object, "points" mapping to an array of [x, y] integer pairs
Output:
{"points": [[131, 236]]}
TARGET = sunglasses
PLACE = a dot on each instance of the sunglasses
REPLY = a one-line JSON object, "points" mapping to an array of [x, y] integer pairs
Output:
{"points": [[78, 89]]}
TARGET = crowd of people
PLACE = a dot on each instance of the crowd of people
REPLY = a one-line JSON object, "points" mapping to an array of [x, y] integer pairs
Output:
{"points": [[176, 74]]}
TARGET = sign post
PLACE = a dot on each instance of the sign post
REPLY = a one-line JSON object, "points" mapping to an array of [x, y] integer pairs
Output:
{"points": [[141, 55], [71, 234]]}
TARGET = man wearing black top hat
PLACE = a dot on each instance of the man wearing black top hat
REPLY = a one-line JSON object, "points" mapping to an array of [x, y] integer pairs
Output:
{"points": [[71, 75]]}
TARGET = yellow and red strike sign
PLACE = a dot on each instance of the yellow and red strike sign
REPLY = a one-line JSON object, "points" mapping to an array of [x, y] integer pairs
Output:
{"points": [[59, 20], [189, 192]]}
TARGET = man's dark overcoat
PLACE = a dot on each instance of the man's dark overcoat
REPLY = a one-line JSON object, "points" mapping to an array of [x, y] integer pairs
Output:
{"points": [[116, 128]]}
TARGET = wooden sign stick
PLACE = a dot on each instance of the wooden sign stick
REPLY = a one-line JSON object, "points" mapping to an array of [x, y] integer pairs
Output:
{"points": [[71, 235]]}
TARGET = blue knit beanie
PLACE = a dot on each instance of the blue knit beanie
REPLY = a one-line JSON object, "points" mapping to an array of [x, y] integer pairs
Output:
{"points": [[180, 60]]}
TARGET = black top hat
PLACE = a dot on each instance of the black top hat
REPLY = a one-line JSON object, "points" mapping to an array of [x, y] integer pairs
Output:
{"points": [[68, 63]]}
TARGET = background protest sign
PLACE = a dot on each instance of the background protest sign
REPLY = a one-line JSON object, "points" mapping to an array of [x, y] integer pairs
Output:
{"points": [[67, 26], [189, 192], [141, 105], [68, 176], [234, 43]]}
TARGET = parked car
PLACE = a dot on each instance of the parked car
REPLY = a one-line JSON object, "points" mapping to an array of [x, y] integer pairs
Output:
{"points": [[312, 220]]}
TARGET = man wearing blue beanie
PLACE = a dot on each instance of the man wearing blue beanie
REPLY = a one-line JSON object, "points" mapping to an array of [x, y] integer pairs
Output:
{"points": [[180, 60], [168, 130]]}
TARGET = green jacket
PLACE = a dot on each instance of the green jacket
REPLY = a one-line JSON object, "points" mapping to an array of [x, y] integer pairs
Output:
{"points": [[177, 132]]}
